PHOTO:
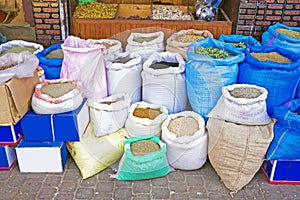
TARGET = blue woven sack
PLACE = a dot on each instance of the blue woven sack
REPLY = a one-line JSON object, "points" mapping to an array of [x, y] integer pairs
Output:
{"points": [[273, 38], [248, 40], [285, 144], [51, 66], [205, 76], [280, 79]]}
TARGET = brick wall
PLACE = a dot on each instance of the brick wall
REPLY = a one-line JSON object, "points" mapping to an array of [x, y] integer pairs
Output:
{"points": [[47, 21], [255, 16]]}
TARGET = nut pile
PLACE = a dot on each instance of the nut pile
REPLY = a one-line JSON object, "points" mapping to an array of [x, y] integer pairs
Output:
{"points": [[144, 147], [213, 52], [146, 113], [171, 13], [95, 10], [183, 126], [245, 92], [58, 89], [187, 38], [288, 32], [271, 56], [238, 44]]}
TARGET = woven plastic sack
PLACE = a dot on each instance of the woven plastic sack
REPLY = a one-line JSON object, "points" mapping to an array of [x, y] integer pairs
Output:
{"points": [[154, 43], [186, 152], [94, 154], [51, 66], [165, 86], [23, 65], [109, 114], [237, 152], [249, 111], [84, 62], [205, 76], [125, 77], [137, 126], [280, 79], [113, 48], [285, 145], [21, 43], [246, 39], [148, 166], [175, 46], [273, 38]]}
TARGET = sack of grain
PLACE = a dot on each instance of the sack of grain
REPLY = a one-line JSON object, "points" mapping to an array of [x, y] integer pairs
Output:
{"points": [[124, 76], [180, 41], [242, 104], [164, 81], [236, 151], [17, 46], [186, 139], [56, 96], [112, 48], [144, 158], [109, 114], [240, 41], [145, 119]]}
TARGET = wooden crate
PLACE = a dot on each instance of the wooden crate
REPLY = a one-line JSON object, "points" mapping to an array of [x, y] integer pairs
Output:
{"points": [[126, 11]]}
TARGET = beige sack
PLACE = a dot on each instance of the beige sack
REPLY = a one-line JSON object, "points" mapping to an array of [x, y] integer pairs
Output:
{"points": [[237, 152]]}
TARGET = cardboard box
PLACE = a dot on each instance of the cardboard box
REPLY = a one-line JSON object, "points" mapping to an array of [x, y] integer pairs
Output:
{"points": [[8, 157], [282, 171], [66, 127], [15, 98], [11, 135], [41, 156]]}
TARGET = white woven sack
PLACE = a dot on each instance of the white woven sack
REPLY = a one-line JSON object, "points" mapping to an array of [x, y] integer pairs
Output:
{"points": [[165, 86], [109, 118], [186, 152], [111, 52], [145, 49], [125, 77], [21, 43], [241, 110], [143, 126]]}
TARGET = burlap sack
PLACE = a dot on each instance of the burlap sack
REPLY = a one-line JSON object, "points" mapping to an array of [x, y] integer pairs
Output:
{"points": [[236, 151]]}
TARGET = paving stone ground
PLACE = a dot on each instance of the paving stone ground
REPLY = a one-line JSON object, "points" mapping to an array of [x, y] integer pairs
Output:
{"points": [[198, 184]]}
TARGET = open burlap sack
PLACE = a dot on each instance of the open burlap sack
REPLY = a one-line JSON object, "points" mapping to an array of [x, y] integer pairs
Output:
{"points": [[236, 151]]}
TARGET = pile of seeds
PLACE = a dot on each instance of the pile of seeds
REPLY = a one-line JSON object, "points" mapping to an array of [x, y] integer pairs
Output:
{"points": [[245, 92], [144, 147], [143, 39], [213, 52], [190, 37], [183, 126], [95, 10], [288, 32], [17, 50], [58, 53], [169, 13], [58, 89], [238, 44], [163, 65], [271, 56], [146, 113]]}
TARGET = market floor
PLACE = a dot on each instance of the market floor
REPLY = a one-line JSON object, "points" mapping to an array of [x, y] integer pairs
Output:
{"points": [[198, 184]]}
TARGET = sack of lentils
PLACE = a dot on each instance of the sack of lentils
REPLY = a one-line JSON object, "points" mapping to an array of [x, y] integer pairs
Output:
{"points": [[186, 139], [210, 65], [17, 46], [274, 69]]}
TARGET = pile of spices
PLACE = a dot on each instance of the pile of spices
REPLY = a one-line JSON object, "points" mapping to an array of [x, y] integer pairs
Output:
{"points": [[17, 50], [95, 10], [57, 89], [146, 113], [163, 65], [245, 92], [183, 126], [58, 53], [213, 52], [288, 32], [238, 44], [143, 39], [144, 147], [271, 56]]}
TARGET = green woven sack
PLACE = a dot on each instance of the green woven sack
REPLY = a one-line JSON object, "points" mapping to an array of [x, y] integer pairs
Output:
{"points": [[86, 1]]}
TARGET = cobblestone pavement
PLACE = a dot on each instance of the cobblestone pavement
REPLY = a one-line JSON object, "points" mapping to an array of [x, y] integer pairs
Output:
{"points": [[199, 184]]}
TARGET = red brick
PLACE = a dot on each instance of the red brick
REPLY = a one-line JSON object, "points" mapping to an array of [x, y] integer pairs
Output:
{"points": [[37, 10], [53, 32], [57, 37], [273, 18], [40, 4], [39, 21], [293, 1], [42, 26], [39, 32], [290, 23], [248, 22], [51, 10], [250, 11], [280, 1], [43, 37], [278, 12], [52, 21], [247, 5], [242, 11], [297, 7], [275, 6], [54, 5], [287, 18], [289, 7], [263, 23], [55, 15], [259, 17], [42, 15], [44, 43], [249, 17], [270, 1], [257, 34], [292, 12], [56, 27], [296, 18]]}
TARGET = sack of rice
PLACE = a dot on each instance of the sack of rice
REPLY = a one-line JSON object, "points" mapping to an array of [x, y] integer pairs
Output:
{"points": [[113, 48], [242, 104], [17, 46], [109, 114], [237, 151], [145, 119], [56, 96], [186, 139], [144, 158]]}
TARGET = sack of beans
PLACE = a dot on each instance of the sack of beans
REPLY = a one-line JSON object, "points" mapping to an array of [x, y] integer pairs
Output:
{"points": [[109, 114], [242, 104], [145, 119], [237, 151], [124, 76], [239, 41], [113, 48], [186, 139], [94, 154], [144, 158], [180, 41], [164, 81], [273, 68], [210, 65], [283, 36], [145, 43], [17, 46], [56, 96]]}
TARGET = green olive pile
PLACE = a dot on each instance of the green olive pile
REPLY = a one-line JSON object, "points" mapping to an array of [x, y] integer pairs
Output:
{"points": [[213, 52], [95, 10], [238, 44], [288, 32]]}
